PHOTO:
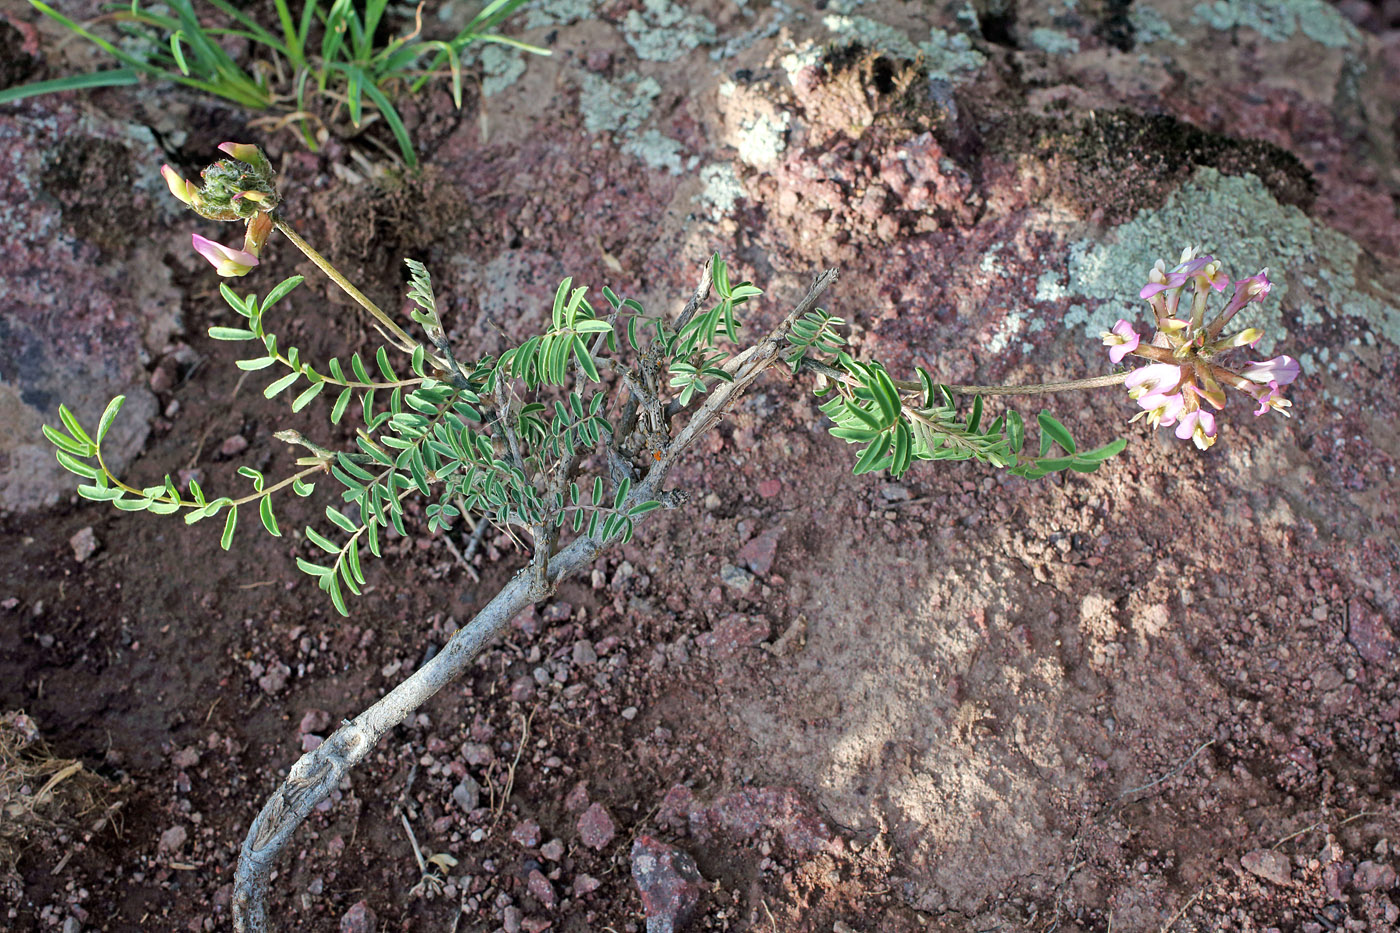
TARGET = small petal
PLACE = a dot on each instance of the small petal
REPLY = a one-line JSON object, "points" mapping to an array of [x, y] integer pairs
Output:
{"points": [[227, 262], [1280, 369], [1160, 410], [1197, 426], [1153, 379], [179, 187], [1272, 400], [243, 152]]}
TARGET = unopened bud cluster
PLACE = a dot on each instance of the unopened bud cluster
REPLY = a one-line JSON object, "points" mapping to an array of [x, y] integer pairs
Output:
{"points": [[237, 188]]}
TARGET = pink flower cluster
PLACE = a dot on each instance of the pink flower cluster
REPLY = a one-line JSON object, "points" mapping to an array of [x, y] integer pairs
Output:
{"points": [[1185, 356]]}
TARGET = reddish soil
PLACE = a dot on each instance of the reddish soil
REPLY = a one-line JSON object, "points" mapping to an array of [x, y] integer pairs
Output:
{"points": [[1161, 697]]}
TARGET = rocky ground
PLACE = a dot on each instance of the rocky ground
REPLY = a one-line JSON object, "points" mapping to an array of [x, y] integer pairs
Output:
{"points": [[1159, 697]]}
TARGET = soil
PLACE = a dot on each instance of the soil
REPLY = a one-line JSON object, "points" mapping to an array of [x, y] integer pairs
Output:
{"points": [[1159, 697]]}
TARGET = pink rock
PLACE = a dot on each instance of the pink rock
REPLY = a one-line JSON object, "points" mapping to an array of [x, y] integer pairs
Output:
{"points": [[553, 850], [1369, 634], [732, 634], [359, 919], [596, 827], [1270, 865], [185, 758], [523, 690], [675, 807], [586, 884], [314, 720], [173, 839], [577, 798], [1374, 876], [84, 544], [669, 883], [758, 554], [526, 834], [540, 889], [769, 488], [234, 445]]}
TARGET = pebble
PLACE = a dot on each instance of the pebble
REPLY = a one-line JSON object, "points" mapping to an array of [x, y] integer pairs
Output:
{"points": [[669, 883], [523, 690], [526, 834], [359, 919], [84, 544], [630, 713], [1373, 876], [173, 839], [314, 720], [596, 827], [511, 918], [467, 794], [758, 553], [553, 850], [541, 889], [586, 884], [233, 446], [737, 577], [584, 653], [1269, 865]]}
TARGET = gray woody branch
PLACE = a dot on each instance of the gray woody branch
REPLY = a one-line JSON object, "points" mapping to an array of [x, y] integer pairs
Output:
{"points": [[320, 771]]}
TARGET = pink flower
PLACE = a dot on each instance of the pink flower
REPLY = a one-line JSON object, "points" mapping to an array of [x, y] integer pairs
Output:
{"points": [[227, 262], [1281, 369], [1198, 426], [1153, 379], [1121, 341], [1160, 409], [1272, 399]]}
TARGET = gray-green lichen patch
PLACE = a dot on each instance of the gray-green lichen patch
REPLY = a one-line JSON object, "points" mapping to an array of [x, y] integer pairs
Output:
{"points": [[501, 66], [1280, 20], [722, 190], [543, 13], [1054, 41], [616, 108], [947, 56], [660, 152], [1237, 220], [663, 31], [1151, 26]]}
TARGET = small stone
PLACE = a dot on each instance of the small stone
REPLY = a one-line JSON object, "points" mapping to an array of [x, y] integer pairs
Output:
{"points": [[1369, 633], [310, 742], [314, 720], [526, 834], [84, 544], [630, 713], [164, 375], [598, 60], [523, 690], [893, 492], [541, 889], [232, 447], [359, 919], [72, 925], [477, 754], [758, 554], [275, 680], [467, 794], [185, 758], [769, 488], [536, 925], [596, 827], [1373, 876], [734, 633], [510, 919], [1270, 865], [584, 653], [577, 799], [553, 850], [737, 577], [173, 839], [557, 612], [669, 883], [586, 884]]}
